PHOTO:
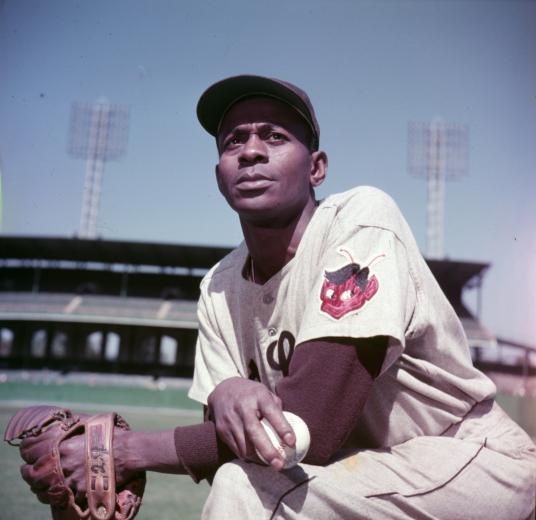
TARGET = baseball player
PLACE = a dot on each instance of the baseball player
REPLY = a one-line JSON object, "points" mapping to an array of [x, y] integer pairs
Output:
{"points": [[327, 310]]}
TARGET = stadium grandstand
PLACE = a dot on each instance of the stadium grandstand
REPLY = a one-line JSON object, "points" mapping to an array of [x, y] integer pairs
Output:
{"points": [[83, 305], [98, 305]]}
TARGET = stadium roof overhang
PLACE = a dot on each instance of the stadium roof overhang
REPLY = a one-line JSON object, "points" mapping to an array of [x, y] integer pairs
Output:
{"points": [[456, 274], [110, 251], [453, 277]]}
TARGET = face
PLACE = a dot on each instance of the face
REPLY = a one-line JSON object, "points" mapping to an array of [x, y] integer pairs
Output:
{"points": [[266, 171]]}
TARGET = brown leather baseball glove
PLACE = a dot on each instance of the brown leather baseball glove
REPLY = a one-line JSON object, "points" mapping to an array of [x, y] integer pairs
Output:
{"points": [[41, 429]]}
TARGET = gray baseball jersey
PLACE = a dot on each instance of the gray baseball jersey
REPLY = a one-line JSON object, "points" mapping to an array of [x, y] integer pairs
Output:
{"points": [[357, 273]]}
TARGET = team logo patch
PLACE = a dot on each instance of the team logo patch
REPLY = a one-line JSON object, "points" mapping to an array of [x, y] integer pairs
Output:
{"points": [[348, 288]]}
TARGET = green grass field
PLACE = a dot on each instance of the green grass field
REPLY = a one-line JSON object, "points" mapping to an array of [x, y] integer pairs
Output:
{"points": [[166, 496]]}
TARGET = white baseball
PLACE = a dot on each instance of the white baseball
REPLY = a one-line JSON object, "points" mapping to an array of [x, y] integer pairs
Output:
{"points": [[291, 456]]}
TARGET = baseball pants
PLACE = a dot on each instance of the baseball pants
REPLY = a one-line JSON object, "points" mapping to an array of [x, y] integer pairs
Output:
{"points": [[482, 468]]}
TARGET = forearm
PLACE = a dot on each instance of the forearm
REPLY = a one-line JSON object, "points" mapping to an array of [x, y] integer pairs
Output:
{"points": [[194, 450], [148, 451]]}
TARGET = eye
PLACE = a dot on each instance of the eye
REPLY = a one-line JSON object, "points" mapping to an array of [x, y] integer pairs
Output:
{"points": [[232, 141], [276, 136]]}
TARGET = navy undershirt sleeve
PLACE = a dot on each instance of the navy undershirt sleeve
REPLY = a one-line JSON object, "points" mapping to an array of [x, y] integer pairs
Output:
{"points": [[200, 451], [329, 382]]}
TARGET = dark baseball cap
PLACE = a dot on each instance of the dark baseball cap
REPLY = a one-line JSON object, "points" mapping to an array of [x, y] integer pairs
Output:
{"points": [[219, 97]]}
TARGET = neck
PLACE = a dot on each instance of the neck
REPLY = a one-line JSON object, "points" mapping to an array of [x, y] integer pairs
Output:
{"points": [[271, 248]]}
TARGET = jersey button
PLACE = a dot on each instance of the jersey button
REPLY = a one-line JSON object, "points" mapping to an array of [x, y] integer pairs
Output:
{"points": [[267, 298], [272, 331]]}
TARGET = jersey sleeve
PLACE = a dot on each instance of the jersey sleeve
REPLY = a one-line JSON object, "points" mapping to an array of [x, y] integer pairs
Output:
{"points": [[213, 363], [363, 288]]}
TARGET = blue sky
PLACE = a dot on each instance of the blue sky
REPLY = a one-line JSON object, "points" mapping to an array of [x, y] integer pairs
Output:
{"points": [[370, 67]]}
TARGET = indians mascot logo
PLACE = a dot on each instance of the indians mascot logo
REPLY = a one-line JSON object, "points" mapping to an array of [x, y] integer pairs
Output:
{"points": [[348, 288]]}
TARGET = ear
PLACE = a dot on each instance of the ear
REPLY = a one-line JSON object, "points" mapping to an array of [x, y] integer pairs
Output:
{"points": [[319, 168]]}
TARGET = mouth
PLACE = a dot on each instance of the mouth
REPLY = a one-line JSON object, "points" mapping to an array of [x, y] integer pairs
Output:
{"points": [[253, 182]]}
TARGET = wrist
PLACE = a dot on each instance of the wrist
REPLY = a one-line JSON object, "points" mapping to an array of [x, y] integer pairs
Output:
{"points": [[147, 451], [128, 456]]}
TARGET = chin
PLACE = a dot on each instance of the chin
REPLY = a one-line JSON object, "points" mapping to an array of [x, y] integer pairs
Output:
{"points": [[254, 211], [252, 202]]}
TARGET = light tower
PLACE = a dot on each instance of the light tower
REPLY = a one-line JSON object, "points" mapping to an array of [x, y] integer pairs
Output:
{"points": [[438, 151], [99, 133]]}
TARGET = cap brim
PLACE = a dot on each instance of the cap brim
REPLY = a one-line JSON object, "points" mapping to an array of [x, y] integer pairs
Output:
{"points": [[219, 97]]}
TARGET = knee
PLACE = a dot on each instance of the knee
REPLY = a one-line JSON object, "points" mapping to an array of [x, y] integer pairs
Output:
{"points": [[231, 476], [232, 494]]}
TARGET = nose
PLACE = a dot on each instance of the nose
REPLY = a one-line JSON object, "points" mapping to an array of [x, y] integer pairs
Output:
{"points": [[253, 150]]}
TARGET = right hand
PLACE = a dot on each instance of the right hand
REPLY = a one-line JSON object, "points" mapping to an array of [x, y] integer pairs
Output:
{"points": [[237, 406]]}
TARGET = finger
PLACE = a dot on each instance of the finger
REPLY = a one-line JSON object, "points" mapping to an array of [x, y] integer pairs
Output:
{"points": [[279, 423], [278, 401], [225, 433], [240, 441], [262, 443], [237, 434]]}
